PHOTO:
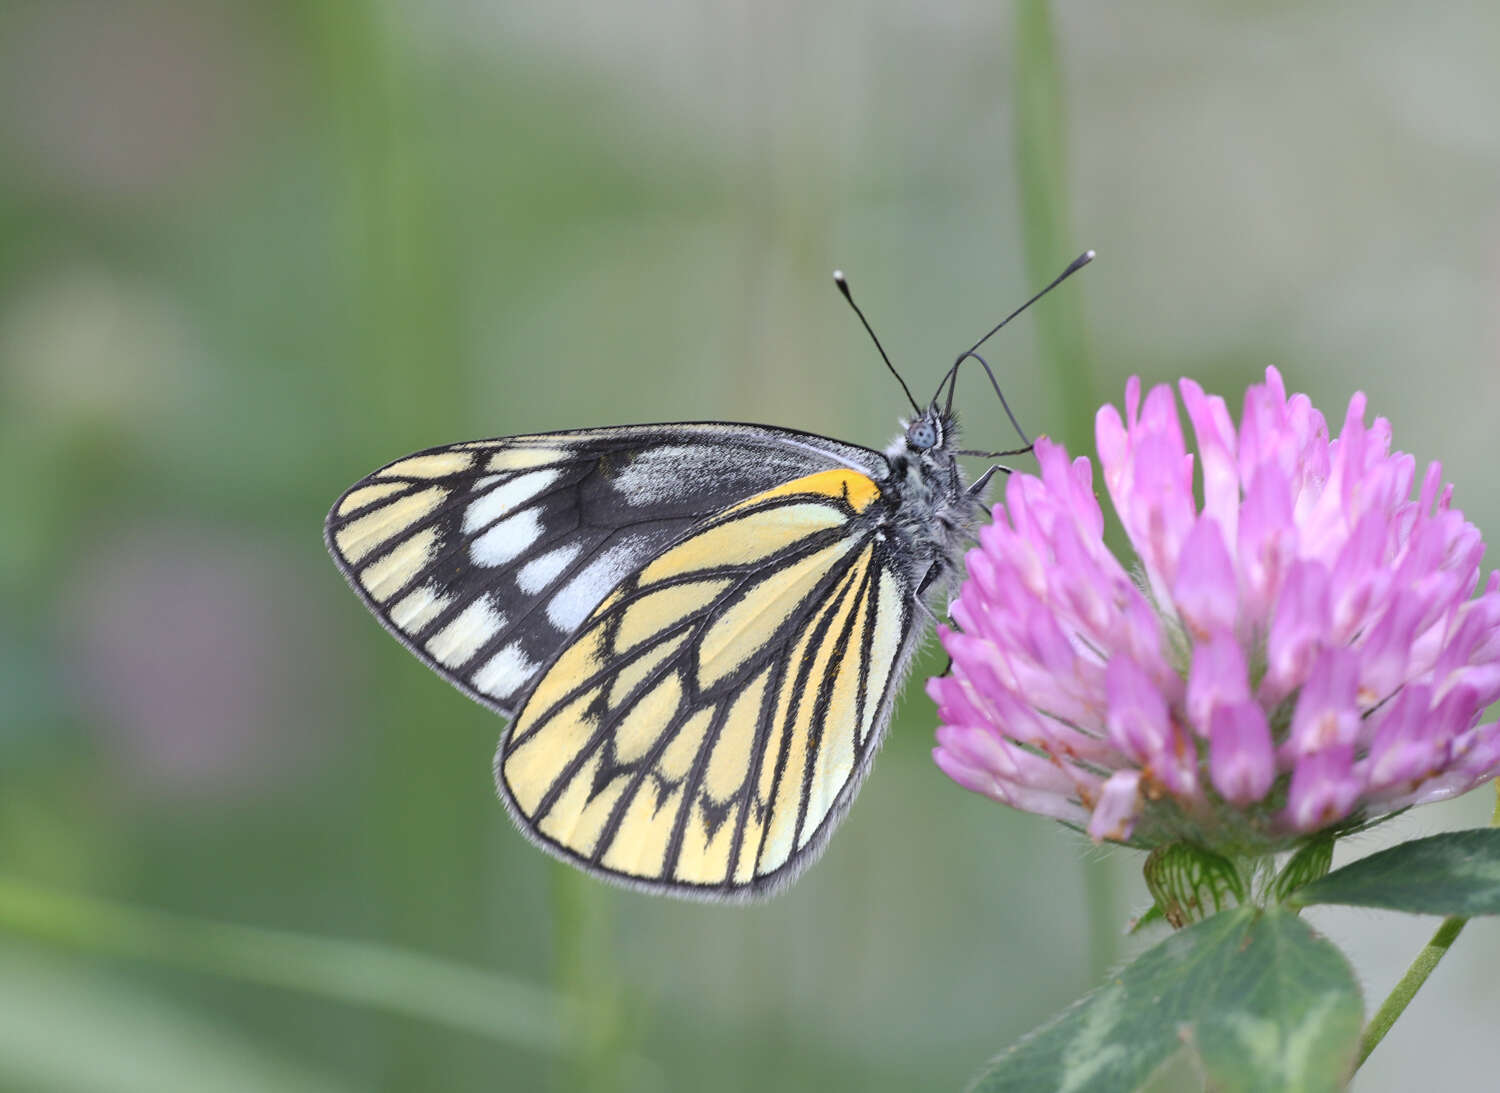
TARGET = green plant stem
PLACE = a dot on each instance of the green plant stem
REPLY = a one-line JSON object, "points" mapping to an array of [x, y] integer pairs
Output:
{"points": [[355, 973], [1396, 1002], [1427, 960]]}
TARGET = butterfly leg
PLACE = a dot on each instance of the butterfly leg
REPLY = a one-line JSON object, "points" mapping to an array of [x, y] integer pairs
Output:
{"points": [[932, 616], [977, 486], [935, 571]]}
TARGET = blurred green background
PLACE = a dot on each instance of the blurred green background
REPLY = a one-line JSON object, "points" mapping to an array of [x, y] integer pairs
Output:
{"points": [[249, 252]]}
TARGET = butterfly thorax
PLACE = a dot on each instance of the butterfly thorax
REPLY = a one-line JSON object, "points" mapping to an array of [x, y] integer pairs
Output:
{"points": [[932, 512]]}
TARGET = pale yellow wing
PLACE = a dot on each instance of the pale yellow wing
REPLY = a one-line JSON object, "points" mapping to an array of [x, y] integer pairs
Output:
{"points": [[710, 722]]}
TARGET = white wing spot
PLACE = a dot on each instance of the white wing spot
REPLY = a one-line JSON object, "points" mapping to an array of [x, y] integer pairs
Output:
{"points": [[659, 473], [358, 499], [435, 465], [516, 459], [576, 599], [505, 672], [537, 574], [386, 576], [506, 539], [885, 646], [363, 534], [507, 498], [419, 607], [460, 639]]}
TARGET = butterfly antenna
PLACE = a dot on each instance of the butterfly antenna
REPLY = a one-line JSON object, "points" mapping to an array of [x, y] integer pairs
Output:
{"points": [[842, 282], [951, 379], [1016, 425], [1073, 267]]}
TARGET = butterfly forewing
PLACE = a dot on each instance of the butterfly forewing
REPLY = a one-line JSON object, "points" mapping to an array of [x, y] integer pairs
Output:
{"points": [[714, 716], [485, 557]]}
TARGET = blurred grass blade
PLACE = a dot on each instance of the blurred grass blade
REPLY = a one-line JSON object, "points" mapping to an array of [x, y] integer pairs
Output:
{"points": [[1261, 1001], [1046, 228], [1048, 242], [63, 1027], [1456, 873], [351, 972], [585, 969]]}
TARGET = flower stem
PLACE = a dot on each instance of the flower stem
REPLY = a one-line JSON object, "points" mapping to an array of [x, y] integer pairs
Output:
{"points": [[1396, 1002], [1427, 960]]}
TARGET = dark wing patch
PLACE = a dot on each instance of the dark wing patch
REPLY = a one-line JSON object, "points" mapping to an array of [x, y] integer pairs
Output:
{"points": [[485, 557]]}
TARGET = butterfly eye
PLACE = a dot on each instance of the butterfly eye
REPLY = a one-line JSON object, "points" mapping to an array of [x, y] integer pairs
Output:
{"points": [[921, 435]]}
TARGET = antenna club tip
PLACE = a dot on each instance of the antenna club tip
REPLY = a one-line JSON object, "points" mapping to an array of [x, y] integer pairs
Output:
{"points": [[1078, 263], [838, 275], [1088, 255]]}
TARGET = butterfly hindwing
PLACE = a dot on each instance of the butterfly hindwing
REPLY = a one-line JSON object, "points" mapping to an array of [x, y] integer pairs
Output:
{"points": [[485, 557], [707, 726]]}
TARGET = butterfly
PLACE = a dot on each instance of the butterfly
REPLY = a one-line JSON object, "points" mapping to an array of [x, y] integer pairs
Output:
{"points": [[697, 630]]}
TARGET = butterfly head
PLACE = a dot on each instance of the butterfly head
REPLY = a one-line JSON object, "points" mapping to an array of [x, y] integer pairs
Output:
{"points": [[930, 434], [926, 431], [923, 459]]}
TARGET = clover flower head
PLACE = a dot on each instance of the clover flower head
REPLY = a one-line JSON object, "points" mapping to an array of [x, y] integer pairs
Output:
{"points": [[1300, 652]]}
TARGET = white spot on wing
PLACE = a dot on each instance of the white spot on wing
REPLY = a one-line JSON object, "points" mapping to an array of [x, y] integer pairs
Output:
{"points": [[537, 574], [363, 534], [885, 646], [576, 599], [505, 672], [778, 849], [658, 474], [506, 539], [460, 639], [666, 471], [358, 499], [387, 575], [515, 459], [418, 607], [433, 465], [507, 498]]}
